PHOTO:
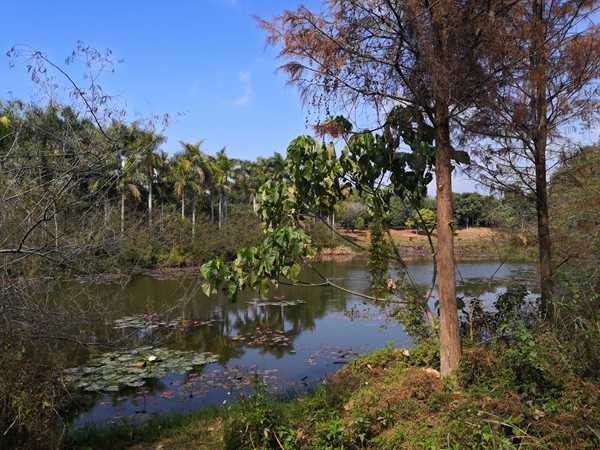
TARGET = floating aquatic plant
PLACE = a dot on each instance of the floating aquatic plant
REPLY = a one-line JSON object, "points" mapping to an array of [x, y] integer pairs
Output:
{"points": [[113, 371], [152, 321], [257, 302], [264, 337]]}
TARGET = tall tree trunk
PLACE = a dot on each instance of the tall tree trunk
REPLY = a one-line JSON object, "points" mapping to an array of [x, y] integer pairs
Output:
{"points": [[450, 351], [162, 216], [194, 218], [183, 207], [150, 203], [55, 226], [122, 196], [543, 221], [220, 209], [333, 224], [254, 203], [540, 137], [122, 213]]}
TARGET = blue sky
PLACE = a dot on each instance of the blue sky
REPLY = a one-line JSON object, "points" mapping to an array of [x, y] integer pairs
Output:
{"points": [[204, 59]]}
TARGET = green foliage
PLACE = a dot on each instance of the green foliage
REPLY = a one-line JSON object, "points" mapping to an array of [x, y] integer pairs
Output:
{"points": [[122, 435], [277, 257], [316, 174], [352, 214], [256, 422], [172, 247], [398, 212], [316, 181], [423, 219], [426, 354], [379, 255], [474, 210], [515, 214], [512, 311], [578, 316]]}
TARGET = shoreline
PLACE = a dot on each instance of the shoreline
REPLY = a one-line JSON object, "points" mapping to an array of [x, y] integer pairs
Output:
{"points": [[472, 244]]}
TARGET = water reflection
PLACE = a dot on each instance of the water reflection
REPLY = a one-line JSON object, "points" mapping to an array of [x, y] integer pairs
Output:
{"points": [[313, 337]]}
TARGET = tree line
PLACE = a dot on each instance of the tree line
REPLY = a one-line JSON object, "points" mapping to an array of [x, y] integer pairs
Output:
{"points": [[57, 165]]}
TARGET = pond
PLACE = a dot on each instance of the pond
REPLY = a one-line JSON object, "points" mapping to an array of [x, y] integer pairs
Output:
{"points": [[292, 339]]}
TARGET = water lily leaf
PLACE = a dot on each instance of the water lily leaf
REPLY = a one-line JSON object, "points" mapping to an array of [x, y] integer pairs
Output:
{"points": [[111, 371]]}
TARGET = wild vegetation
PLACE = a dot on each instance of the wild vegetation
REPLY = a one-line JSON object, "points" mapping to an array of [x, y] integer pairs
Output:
{"points": [[490, 89]]}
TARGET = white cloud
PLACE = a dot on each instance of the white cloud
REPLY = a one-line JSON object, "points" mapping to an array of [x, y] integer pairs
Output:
{"points": [[248, 94]]}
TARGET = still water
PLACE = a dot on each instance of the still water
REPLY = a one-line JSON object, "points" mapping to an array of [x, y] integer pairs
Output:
{"points": [[298, 338]]}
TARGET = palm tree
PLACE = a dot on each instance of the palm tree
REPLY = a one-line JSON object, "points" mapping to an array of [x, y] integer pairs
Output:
{"points": [[134, 165], [149, 160], [162, 171], [199, 172], [224, 169], [128, 182], [179, 174]]}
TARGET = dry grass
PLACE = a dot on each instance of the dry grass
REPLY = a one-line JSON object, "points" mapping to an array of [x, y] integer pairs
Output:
{"points": [[475, 242]]}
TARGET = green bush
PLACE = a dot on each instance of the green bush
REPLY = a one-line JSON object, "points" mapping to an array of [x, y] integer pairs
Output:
{"points": [[425, 218], [170, 244], [256, 422]]}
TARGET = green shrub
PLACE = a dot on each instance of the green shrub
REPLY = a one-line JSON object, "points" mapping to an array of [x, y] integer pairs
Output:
{"points": [[257, 421]]}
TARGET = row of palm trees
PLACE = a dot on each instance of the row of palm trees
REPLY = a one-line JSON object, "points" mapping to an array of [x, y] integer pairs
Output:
{"points": [[188, 177]]}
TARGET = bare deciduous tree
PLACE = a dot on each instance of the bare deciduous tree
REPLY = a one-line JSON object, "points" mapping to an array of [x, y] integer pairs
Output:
{"points": [[554, 49]]}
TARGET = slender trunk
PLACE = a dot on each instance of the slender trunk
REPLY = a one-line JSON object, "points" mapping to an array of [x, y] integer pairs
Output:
{"points": [[149, 203], [162, 216], [122, 196], [55, 227], [220, 209], [212, 208], [543, 221], [122, 214], [450, 351], [183, 207], [333, 224], [194, 218], [540, 137], [254, 203]]}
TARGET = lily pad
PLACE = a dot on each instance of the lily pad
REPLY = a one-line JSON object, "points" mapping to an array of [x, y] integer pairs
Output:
{"points": [[279, 302], [113, 371], [153, 321]]}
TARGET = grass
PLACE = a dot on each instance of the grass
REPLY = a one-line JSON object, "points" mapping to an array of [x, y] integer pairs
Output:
{"points": [[198, 430], [470, 243]]}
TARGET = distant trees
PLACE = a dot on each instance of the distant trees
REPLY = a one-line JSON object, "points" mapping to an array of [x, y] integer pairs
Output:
{"points": [[352, 214], [197, 175], [136, 174], [423, 218], [474, 210]]}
